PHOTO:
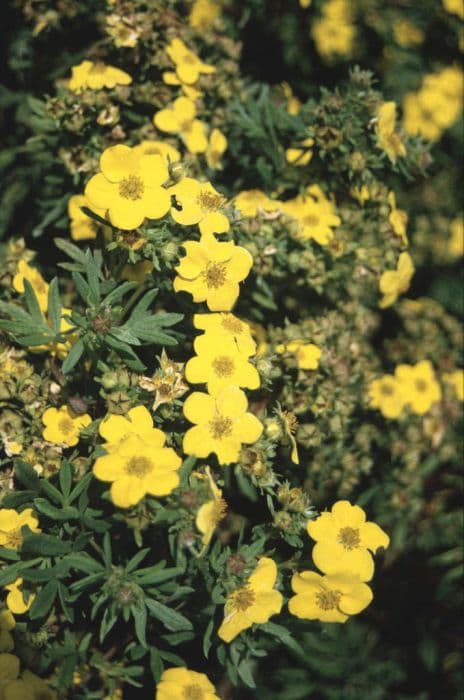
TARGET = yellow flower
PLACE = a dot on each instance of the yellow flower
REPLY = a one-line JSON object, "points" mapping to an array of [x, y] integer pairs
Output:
{"points": [[254, 602], [199, 203], [387, 138], [387, 395], [330, 598], [334, 33], [305, 3], [62, 426], [137, 467], [33, 276], [454, 7], [203, 14], [158, 148], [398, 219], [129, 186], [361, 194], [211, 272], [395, 282], [15, 600], [183, 684], [407, 34], [217, 146], [9, 669], [82, 226], [190, 91], [179, 118], [419, 385], [115, 428], [210, 513], [307, 354], [11, 523], [188, 66], [417, 120], [38, 686], [219, 362], [300, 156], [456, 379], [228, 325], [293, 103], [7, 623], [343, 540], [222, 424], [252, 202], [96, 76], [456, 241], [315, 215]]}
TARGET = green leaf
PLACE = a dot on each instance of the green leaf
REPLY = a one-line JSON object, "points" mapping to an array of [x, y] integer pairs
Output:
{"points": [[170, 618], [54, 306], [92, 270], [81, 286], [207, 638], [139, 613], [71, 250], [118, 293], [152, 575], [244, 671], [44, 545], [65, 478], [32, 302], [44, 507], [26, 475], [73, 356], [135, 561], [139, 311], [126, 353], [44, 600]]}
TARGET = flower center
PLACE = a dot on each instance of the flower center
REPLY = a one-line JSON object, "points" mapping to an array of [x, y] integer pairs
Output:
{"points": [[14, 539], [349, 537], [328, 600], [98, 68], [223, 366], [189, 58], [131, 187], [386, 390], [152, 151], [215, 275], [231, 324], [311, 220], [220, 426], [211, 201], [139, 466], [193, 692], [243, 598], [66, 426], [421, 385]]}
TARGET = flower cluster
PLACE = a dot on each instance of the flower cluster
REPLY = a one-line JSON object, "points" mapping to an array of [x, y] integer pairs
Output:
{"points": [[412, 386]]}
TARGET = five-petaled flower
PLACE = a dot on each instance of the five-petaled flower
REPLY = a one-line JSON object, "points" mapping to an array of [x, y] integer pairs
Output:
{"points": [[344, 541], [331, 598], [183, 684], [395, 282], [254, 602], [228, 325], [96, 76], [199, 203], [222, 424], [188, 66], [419, 385], [387, 394], [129, 187], [211, 272], [15, 600], [62, 425], [180, 118], [11, 523]]}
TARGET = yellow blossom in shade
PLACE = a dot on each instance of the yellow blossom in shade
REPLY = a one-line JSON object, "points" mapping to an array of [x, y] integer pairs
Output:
{"points": [[15, 600], [203, 14], [228, 325], [188, 66], [211, 272], [7, 623], [254, 602], [199, 203], [300, 155], [334, 33], [305, 3], [11, 523], [33, 276], [158, 148], [217, 146], [96, 76], [361, 194], [180, 119], [222, 424], [137, 467], [315, 215], [9, 669], [62, 425], [387, 395], [330, 598], [251, 202], [137, 272], [293, 103], [387, 138], [456, 241], [456, 379], [210, 513], [395, 282], [190, 91], [83, 227], [419, 385], [129, 186], [417, 120], [183, 684], [138, 421], [307, 354], [40, 689], [398, 219], [406, 34], [454, 7], [344, 541], [219, 364]]}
